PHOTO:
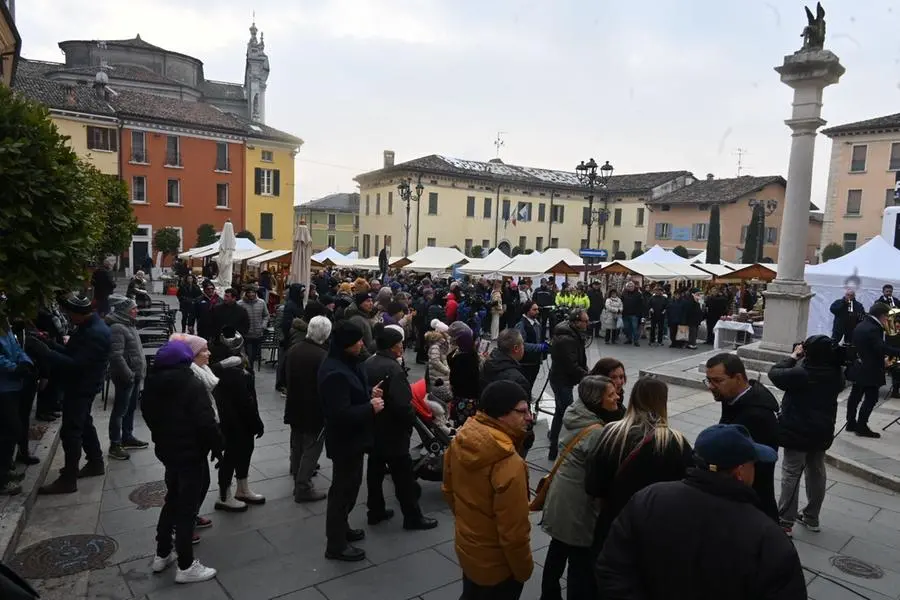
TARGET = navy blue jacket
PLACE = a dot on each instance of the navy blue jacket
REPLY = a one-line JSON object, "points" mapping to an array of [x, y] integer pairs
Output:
{"points": [[345, 395], [871, 350], [80, 365]]}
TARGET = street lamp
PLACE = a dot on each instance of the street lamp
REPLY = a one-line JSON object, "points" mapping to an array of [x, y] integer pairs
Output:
{"points": [[406, 195], [767, 208], [592, 177]]}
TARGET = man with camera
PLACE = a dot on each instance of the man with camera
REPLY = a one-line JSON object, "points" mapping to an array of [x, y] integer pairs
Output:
{"points": [[867, 372], [811, 379]]}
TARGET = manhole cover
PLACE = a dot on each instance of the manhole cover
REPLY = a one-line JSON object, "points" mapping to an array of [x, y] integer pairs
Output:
{"points": [[856, 567], [149, 495], [62, 556]]}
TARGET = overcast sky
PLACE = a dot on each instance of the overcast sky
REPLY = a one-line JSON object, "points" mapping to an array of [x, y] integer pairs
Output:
{"points": [[656, 85]]}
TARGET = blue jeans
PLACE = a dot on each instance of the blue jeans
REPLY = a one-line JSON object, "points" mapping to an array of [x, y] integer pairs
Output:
{"points": [[563, 396], [121, 421], [630, 328]]}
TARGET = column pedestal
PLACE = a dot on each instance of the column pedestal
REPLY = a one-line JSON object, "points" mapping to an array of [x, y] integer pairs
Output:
{"points": [[787, 314]]}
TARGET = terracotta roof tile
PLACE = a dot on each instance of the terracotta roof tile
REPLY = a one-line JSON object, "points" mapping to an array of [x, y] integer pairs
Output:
{"points": [[59, 95], [341, 202], [878, 123], [717, 191]]}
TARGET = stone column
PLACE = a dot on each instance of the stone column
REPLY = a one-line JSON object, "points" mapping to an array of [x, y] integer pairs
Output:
{"points": [[808, 72]]}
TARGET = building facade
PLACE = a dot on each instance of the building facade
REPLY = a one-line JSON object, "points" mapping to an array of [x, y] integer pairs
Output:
{"points": [[862, 175], [681, 218], [333, 222], [493, 205], [10, 42], [270, 191]]}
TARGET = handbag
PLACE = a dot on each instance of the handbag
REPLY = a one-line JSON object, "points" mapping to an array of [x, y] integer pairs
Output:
{"points": [[543, 486], [683, 334], [620, 324]]}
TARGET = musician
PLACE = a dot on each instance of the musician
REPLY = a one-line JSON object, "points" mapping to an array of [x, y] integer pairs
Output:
{"points": [[867, 372], [892, 336], [887, 297], [848, 312]]}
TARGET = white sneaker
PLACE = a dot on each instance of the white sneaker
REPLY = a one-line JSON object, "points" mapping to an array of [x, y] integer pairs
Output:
{"points": [[195, 573], [161, 563]]}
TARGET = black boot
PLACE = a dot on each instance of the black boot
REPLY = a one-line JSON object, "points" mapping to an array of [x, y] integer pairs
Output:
{"points": [[92, 468], [25, 458], [377, 517], [419, 524], [66, 483]]}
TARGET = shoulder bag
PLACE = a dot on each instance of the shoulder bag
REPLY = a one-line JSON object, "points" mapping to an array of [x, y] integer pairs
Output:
{"points": [[543, 486]]}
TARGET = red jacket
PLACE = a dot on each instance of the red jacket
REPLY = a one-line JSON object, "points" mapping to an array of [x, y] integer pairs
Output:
{"points": [[451, 308]]}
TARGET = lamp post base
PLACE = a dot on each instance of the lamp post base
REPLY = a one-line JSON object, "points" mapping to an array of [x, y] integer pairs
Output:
{"points": [[786, 316]]}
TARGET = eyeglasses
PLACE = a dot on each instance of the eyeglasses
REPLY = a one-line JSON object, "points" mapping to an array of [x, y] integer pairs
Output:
{"points": [[714, 382], [523, 411]]}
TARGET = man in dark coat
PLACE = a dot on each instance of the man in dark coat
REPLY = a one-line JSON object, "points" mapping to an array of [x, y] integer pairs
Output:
{"points": [[230, 314], [657, 304], [203, 311], [887, 297], [811, 379], [752, 405], [81, 367], [103, 285], [867, 372], [716, 308], [535, 348], [674, 312], [702, 537], [568, 368], [595, 308], [393, 430], [848, 313], [293, 309], [504, 364], [303, 407], [350, 406], [632, 312]]}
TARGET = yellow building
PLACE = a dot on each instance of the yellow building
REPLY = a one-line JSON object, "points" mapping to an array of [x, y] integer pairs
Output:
{"points": [[10, 43], [468, 203], [270, 189], [333, 222]]}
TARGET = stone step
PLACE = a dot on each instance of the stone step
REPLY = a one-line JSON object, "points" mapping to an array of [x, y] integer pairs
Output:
{"points": [[752, 373], [755, 352], [752, 364]]}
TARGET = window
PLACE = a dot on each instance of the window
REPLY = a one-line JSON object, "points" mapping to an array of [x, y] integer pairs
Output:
{"points": [[390, 203], [663, 231], [331, 240], [367, 245], [355, 222], [432, 242], [470, 206], [222, 162], [583, 244], [639, 220], [539, 242], [377, 245], [266, 155], [266, 226], [703, 207], [505, 214], [432, 203], [524, 212], [637, 247], [542, 212], [367, 205], [485, 244], [355, 243], [557, 214], [332, 221], [173, 192], [221, 195], [743, 233], [138, 147], [173, 151], [615, 247], [469, 245], [699, 231], [665, 207], [854, 202], [523, 242], [554, 242], [102, 138], [895, 157], [617, 217], [858, 159], [139, 190], [387, 241], [585, 215], [487, 208], [267, 182], [888, 197], [849, 242], [771, 235], [377, 205]]}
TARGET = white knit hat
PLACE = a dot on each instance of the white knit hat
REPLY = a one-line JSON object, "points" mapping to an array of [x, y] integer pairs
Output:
{"points": [[439, 326]]}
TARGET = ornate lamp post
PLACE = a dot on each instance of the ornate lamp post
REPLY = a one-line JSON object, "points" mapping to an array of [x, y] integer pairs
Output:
{"points": [[407, 196], [592, 177], [767, 208]]}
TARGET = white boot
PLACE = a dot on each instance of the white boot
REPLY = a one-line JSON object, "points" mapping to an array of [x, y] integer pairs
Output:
{"points": [[228, 502], [246, 494]]}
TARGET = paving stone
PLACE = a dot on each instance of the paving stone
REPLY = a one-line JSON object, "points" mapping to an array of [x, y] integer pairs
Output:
{"points": [[451, 591], [387, 541], [206, 590], [876, 554], [276, 512], [269, 453], [133, 476], [820, 560], [141, 580], [823, 589], [134, 544], [232, 551], [887, 518], [889, 501], [45, 523], [128, 519], [107, 584], [399, 579], [90, 491], [309, 593], [851, 508], [827, 539]]}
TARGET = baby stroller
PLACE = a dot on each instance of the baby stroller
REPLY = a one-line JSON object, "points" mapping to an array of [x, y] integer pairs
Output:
{"points": [[428, 455]]}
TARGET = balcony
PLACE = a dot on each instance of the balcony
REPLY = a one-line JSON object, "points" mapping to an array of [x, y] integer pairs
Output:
{"points": [[139, 156], [173, 160]]}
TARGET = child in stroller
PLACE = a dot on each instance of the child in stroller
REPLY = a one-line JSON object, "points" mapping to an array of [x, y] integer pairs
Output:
{"points": [[434, 432]]}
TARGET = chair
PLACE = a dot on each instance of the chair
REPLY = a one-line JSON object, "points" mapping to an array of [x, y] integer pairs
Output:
{"points": [[269, 343]]}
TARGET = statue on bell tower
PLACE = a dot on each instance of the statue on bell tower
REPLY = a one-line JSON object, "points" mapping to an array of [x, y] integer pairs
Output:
{"points": [[256, 73]]}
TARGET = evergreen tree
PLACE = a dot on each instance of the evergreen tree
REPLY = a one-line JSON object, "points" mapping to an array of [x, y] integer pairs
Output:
{"points": [[751, 242], [831, 251], [206, 235], [714, 237], [681, 251]]}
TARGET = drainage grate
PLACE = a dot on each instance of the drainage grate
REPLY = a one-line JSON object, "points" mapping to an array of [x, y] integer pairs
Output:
{"points": [[62, 556], [856, 567], [149, 495]]}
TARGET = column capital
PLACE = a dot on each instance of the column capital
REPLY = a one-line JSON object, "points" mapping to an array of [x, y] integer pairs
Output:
{"points": [[805, 125], [816, 69]]}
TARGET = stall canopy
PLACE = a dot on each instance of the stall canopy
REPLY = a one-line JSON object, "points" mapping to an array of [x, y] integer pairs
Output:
{"points": [[493, 262], [329, 254], [658, 254], [279, 255], [763, 272], [364, 264], [656, 271], [718, 271], [867, 268], [243, 250], [432, 258], [560, 261]]}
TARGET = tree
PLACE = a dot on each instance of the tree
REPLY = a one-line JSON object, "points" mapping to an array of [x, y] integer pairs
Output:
{"points": [[636, 252], [51, 222], [206, 235], [714, 237], [167, 240], [767, 260], [110, 197], [832, 250], [246, 234], [680, 251], [751, 241], [476, 251], [515, 251], [620, 256]]}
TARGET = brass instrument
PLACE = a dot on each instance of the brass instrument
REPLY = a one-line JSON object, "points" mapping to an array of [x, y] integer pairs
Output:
{"points": [[891, 330]]}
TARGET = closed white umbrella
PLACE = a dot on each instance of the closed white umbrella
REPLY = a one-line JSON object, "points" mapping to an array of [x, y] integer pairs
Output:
{"points": [[300, 265], [225, 260]]}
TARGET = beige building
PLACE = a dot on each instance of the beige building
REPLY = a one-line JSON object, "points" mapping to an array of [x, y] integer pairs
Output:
{"points": [[467, 203], [865, 160], [681, 218]]}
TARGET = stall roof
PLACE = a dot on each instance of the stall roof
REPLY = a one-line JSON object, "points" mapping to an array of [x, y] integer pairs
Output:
{"points": [[241, 245], [264, 258], [658, 254], [722, 270], [329, 253], [657, 271], [763, 272], [561, 261], [493, 262]]}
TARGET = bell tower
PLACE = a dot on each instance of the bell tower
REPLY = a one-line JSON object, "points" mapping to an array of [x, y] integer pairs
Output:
{"points": [[256, 73]]}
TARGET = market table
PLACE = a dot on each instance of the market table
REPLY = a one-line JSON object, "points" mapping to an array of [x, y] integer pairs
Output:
{"points": [[728, 334]]}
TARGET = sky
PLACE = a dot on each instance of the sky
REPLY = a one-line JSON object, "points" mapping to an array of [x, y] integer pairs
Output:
{"points": [[658, 85]]}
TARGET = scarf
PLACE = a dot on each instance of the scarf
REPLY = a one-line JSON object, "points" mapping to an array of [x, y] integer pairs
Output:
{"points": [[209, 381]]}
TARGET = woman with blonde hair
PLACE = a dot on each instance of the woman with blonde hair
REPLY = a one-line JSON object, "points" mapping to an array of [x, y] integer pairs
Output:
{"points": [[570, 514], [635, 452]]}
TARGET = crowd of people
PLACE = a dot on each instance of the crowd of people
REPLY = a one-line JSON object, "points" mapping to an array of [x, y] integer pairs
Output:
{"points": [[623, 480]]}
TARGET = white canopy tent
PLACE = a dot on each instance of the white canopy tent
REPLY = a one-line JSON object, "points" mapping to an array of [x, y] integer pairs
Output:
{"points": [[657, 271], [437, 255], [658, 254], [493, 262], [244, 249], [552, 260], [363, 264], [328, 253], [264, 258], [717, 270], [867, 268]]}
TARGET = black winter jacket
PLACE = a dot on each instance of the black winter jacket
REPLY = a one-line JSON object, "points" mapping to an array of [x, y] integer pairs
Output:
{"points": [[633, 304], [698, 539], [464, 374], [346, 400], [230, 315], [845, 321], [871, 350], [393, 425], [303, 407], [716, 307], [569, 357], [203, 309], [180, 416], [293, 309], [80, 365], [809, 406], [502, 367], [235, 397], [658, 304]]}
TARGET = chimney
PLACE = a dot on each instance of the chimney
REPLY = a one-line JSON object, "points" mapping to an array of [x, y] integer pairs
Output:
{"points": [[388, 159], [710, 176]]}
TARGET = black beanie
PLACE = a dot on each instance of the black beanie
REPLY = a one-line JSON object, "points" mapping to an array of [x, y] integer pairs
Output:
{"points": [[501, 397], [345, 334], [387, 336], [395, 307], [361, 297]]}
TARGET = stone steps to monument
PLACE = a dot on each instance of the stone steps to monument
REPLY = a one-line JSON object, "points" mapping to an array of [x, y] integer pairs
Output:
{"points": [[691, 370]]}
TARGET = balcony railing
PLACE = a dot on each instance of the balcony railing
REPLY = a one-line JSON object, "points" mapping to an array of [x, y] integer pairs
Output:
{"points": [[139, 156], [173, 160], [223, 165]]}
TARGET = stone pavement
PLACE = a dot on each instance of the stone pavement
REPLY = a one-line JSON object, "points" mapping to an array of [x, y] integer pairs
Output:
{"points": [[276, 550]]}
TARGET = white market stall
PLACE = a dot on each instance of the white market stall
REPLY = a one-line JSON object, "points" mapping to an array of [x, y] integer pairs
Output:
{"points": [[561, 261], [867, 268], [658, 254], [329, 253], [279, 255], [656, 271], [432, 259], [492, 263], [243, 249]]}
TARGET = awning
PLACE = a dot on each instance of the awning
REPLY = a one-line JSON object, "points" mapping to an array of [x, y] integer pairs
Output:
{"points": [[762, 272], [722, 270], [493, 262], [269, 256], [656, 271]]}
